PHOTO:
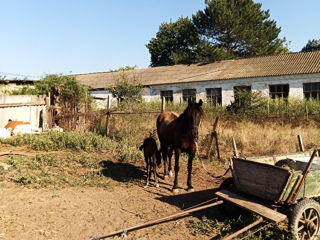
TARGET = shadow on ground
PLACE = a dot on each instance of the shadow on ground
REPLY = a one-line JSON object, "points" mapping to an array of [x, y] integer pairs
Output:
{"points": [[121, 172], [187, 200], [229, 216]]}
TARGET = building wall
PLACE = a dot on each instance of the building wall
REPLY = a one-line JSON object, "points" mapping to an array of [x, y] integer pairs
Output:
{"points": [[257, 84], [21, 113]]}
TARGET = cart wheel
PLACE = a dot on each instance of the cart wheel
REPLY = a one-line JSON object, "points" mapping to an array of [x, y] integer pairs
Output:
{"points": [[227, 207], [305, 219]]}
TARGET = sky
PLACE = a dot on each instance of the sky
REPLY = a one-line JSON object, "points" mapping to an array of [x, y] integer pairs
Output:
{"points": [[83, 36]]}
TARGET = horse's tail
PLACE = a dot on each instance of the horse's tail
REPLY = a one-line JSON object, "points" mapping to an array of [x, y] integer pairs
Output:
{"points": [[141, 147]]}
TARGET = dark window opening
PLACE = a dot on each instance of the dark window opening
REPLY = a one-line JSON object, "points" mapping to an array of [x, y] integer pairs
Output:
{"points": [[189, 94], [168, 95], [279, 91], [311, 90], [214, 96]]}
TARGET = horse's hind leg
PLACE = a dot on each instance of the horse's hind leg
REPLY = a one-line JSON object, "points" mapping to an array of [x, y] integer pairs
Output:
{"points": [[165, 167], [170, 163], [148, 172], [155, 170]]}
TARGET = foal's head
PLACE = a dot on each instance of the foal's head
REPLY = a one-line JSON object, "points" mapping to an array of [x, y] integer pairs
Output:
{"points": [[193, 115]]}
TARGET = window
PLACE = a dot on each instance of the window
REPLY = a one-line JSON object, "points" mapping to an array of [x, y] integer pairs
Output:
{"points": [[279, 91], [311, 90], [189, 94], [168, 95], [241, 94], [214, 96]]}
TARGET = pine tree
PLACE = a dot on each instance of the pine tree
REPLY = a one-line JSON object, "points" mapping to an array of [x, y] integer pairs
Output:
{"points": [[239, 27]]}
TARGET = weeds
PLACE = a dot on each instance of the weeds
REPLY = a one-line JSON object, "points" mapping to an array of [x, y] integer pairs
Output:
{"points": [[76, 141], [224, 227], [52, 170]]}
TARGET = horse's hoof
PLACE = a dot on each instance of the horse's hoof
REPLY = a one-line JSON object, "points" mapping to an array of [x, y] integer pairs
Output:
{"points": [[170, 174], [190, 190], [145, 186], [175, 191], [157, 185], [166, 177]]}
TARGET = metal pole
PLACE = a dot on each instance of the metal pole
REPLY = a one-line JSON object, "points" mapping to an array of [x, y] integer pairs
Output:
{"points": [[260, 220], [300, 143], [160, 220]]}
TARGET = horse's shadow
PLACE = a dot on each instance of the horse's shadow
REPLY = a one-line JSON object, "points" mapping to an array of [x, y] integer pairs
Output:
{"points": [[187, 200], [121, 172]]}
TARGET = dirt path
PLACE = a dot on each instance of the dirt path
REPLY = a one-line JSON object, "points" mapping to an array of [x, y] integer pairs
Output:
{"points": [[81, 213]]}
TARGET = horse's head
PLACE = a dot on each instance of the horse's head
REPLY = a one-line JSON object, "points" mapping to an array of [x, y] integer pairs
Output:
{"points": [[193, 114]]}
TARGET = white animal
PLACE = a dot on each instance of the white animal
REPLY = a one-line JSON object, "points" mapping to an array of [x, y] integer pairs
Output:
{"points": [[5, 133], [22, 129]]}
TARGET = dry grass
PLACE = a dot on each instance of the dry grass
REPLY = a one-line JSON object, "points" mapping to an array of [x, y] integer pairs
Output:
{"points": [[262, 138]]}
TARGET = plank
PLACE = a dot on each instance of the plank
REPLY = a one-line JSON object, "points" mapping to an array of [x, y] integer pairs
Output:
{"points": [[252, 206]]}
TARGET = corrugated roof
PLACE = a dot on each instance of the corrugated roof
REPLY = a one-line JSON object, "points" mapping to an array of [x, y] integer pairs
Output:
{"points": [[277, 65]]}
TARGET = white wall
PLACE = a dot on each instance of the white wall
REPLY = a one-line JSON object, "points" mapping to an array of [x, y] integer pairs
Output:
{"points": [[22, 113], [257, 84]]}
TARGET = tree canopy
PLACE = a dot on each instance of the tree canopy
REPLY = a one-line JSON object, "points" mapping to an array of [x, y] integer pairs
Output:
{"points": [[312, 45], [175, 42], [126, 88], [225, 29]]}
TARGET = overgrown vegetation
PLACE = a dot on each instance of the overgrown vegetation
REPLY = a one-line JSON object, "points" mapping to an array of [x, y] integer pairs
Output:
{"points": [[224, 227], [127, 88], [54, 170]]}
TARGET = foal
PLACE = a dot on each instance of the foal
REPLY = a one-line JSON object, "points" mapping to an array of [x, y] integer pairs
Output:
{"points": [[152, 157]]}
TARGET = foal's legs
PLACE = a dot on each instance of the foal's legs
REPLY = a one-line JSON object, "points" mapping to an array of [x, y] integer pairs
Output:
{"points": [[155, 169], [148, 161], [177, 153]]}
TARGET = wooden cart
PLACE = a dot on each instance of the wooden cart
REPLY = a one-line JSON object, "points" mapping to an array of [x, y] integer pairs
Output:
{"points": [[277, 188]]}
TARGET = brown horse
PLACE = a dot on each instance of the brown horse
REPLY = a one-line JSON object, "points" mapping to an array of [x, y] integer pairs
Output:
{"points": [[179, 133]]}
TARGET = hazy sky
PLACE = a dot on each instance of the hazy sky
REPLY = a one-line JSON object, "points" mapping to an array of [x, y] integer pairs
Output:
{"points": [[82, 36]]}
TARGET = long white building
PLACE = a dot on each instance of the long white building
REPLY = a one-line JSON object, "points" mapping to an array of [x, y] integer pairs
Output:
{"points": [[285, 75]]}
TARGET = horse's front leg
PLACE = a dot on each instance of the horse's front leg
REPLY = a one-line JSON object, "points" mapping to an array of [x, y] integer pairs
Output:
{"points": [[177, 153], [190, 160]]}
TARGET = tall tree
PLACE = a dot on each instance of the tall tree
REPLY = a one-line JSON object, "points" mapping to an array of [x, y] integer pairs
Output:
{"points": [[312, 45], [225, 29], [175, 43], [239, 28]]}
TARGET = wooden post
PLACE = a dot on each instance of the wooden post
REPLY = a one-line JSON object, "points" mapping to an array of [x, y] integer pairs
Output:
{"points": [[235, 151], [217, 145], [300, 143], [163, 104], [107, 123], [108, 116], [108, 102], [307, 111], [213, 135], [268, 106]]}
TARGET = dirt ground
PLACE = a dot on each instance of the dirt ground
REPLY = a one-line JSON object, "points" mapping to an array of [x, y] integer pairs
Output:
{"points": [[84, 213]]}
